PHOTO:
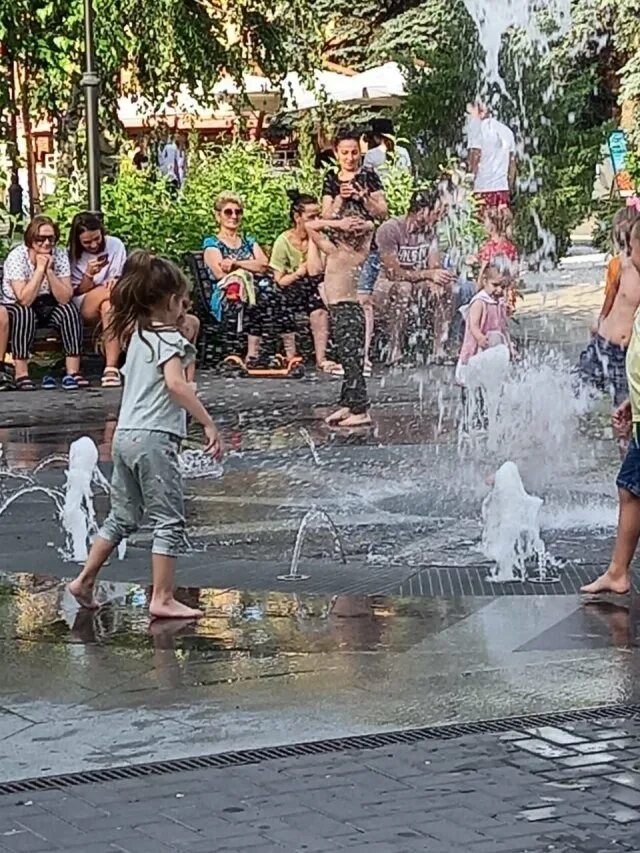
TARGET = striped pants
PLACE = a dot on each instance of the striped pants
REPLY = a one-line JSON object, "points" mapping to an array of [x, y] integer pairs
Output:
{"points": [[45, 312]]}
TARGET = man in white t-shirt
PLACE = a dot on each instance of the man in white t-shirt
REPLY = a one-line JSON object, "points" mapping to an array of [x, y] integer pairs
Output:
{"points": [[492, 157], [385, 151]]}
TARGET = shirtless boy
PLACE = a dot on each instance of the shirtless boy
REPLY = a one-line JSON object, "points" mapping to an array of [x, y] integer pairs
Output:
{"points": [[345, 244], [626, 421], [603, 361]]}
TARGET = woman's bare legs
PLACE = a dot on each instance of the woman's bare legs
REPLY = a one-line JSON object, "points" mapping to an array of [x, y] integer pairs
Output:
{"points": [[289, 341], [191, 331], [96, 308], [253, 346]]}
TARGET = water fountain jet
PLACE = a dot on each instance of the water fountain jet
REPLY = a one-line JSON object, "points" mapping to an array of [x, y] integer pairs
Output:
{"points": [[313, 515], [511, 534]]}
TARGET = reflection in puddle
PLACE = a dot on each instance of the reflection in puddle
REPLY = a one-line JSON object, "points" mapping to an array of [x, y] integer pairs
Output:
{"points": [[264, 624]]}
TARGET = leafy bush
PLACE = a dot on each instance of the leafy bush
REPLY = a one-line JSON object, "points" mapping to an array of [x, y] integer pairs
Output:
{"points": [[141, 209]]}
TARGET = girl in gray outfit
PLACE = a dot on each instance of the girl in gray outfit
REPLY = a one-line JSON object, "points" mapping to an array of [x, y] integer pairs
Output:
{"points": [[149, 304]]}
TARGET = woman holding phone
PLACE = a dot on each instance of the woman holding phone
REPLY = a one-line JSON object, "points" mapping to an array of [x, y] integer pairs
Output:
{"points": [[97, 260], [353, 191]]}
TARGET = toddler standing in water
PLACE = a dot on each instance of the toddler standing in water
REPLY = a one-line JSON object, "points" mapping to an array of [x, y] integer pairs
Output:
{"points": [[486, 320], [149, 305]]}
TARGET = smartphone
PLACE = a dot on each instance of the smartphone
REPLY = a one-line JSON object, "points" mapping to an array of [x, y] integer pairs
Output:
{"points": [[103, 258]]}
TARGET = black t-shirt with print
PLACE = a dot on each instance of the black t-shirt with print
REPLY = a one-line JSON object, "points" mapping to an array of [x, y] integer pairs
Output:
{"points": [[364, 179]]}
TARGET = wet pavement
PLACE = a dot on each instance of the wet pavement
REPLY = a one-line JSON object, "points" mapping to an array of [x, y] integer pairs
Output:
{"points": [[558, 786], [410, 632], [81, 691]]}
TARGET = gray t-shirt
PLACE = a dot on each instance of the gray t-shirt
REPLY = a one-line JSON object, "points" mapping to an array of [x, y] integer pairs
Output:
{"points": [[413, 248], [146, 402]]}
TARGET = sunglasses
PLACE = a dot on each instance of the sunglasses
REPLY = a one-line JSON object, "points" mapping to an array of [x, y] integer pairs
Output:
{"points": [[45, 238], [232, 211]]}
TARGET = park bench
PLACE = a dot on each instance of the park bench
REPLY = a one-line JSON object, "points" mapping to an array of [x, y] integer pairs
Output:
{"points": [[217, 340]]}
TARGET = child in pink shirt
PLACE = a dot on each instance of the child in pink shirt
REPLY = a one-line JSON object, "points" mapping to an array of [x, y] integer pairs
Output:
{"points": [[487, 317]]}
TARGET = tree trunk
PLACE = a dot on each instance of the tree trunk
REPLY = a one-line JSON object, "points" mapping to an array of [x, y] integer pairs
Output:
{"points": [[32, 175]]}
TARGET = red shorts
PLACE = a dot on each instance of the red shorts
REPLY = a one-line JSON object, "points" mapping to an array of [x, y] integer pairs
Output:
{"points": [[496, 198]]}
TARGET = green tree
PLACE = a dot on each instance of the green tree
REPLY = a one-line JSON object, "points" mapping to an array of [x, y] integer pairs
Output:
{"points": [[142, 46]]}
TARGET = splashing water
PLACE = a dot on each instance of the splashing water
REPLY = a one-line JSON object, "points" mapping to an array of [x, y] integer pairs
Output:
{"points": [[542, 410], [484, 376], [314, 515], [196, 465], [54, 459], [56, 496], [78, 514], [511, 533], [494, 18], [538, 23], [306, 435]]}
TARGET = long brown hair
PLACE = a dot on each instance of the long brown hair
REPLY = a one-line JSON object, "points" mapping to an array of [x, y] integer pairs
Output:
{"points": [[147, 282]]}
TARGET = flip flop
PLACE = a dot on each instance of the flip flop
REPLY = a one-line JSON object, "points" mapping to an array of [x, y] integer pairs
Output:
{"points": [[25, 384], [81, 381], [6, 381], [111, 378]]}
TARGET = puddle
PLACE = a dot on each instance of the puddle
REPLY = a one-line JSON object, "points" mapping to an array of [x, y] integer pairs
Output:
{"points": [[37, 609]]}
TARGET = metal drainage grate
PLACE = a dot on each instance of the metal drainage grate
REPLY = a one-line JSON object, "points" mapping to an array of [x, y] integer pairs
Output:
{"points": [[455, 581], [321, 747]]}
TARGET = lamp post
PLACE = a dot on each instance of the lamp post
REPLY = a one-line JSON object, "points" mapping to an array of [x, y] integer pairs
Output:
{"points": [[90, 82]]}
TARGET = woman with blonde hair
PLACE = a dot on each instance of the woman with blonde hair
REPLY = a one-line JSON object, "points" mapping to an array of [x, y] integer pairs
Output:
{"points": [[230, 250]]}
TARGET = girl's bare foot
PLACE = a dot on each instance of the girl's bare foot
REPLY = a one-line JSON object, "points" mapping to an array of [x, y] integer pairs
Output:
{"points": [[172, 609], [82, 591], [338, 416], [356, 420], [608, 582]]}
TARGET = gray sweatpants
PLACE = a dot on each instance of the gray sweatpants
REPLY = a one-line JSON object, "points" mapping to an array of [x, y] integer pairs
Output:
{"points": [[146, 477]]}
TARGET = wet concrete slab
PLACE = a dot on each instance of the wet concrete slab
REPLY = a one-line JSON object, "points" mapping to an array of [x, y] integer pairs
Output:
{"points": [[81, 690]]}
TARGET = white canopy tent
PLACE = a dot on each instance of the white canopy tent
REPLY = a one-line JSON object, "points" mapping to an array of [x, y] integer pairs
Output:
{"points": [[383, 85]]}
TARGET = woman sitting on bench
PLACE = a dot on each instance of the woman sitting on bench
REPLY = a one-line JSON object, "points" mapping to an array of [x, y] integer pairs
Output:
{"points": [[302, 292], [96, 260], [37, 292], [231, 251]]}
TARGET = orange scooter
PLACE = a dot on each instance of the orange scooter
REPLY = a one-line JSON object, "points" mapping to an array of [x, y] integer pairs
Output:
{"points": [[281, 367]]}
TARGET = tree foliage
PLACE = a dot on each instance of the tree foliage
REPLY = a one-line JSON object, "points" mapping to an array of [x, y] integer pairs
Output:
{"points": [[148, 46]]}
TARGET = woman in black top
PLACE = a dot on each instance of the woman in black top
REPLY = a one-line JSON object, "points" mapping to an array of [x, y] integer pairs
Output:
{"points": [[352, 190]]}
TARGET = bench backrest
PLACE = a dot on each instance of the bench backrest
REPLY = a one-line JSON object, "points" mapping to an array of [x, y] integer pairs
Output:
{"points": [[203, 283]]}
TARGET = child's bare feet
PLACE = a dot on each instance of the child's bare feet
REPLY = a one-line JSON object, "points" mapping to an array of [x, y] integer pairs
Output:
{"points": [[608, 582], [82, 590], [172, 609], [338, 416], [356, 420]]}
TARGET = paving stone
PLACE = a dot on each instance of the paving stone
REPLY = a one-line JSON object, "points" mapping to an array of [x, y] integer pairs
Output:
{"points": [[603, 746], [588, 760], [557, 735], [541, 748], [169, 832], [52, 828], [24, 841]]}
